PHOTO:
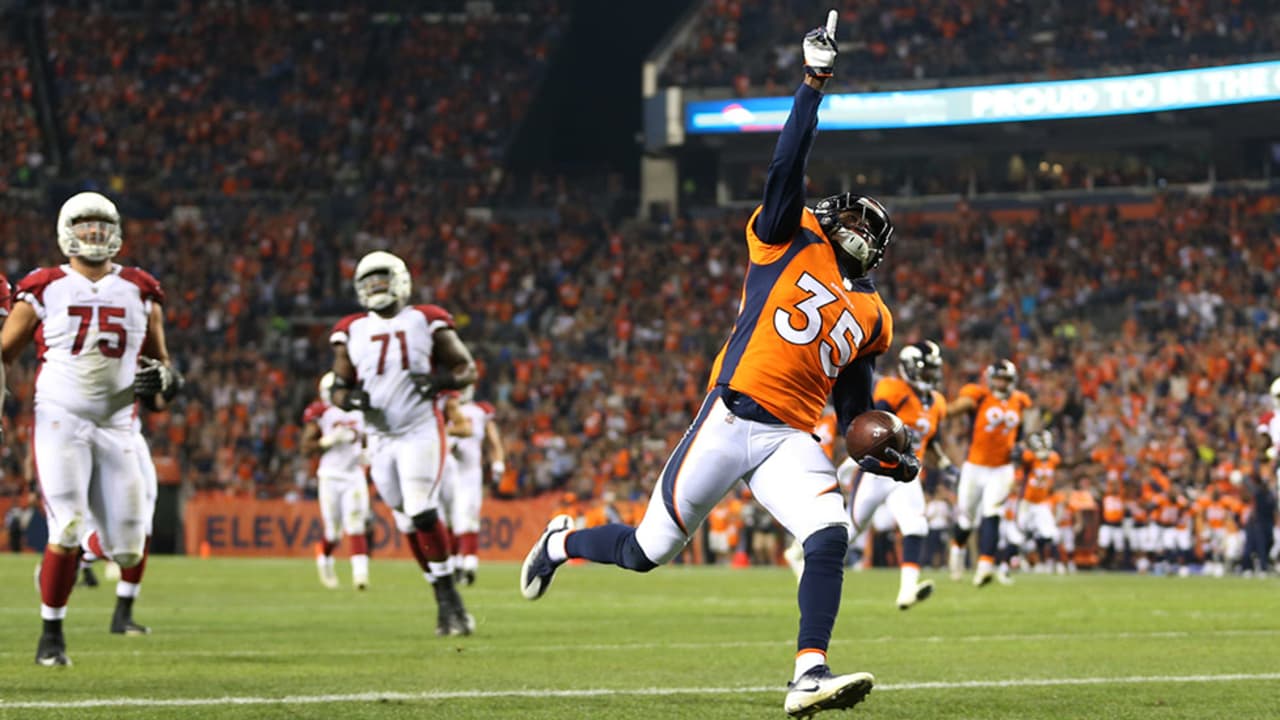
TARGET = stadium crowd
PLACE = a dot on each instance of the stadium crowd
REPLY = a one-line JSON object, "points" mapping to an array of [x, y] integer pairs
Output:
{"points": [[939, 40], [1144, 338]]}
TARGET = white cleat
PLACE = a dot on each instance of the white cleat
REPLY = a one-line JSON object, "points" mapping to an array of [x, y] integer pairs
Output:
{"points": [[1003, 577], [538, 569], [983, 577], [359, 582], [819, 690], [795, 559], [328, 577], [909, 596]]}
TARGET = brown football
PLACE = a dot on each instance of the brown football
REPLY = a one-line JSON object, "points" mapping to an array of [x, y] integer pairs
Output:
{"points": [[873, 431]]}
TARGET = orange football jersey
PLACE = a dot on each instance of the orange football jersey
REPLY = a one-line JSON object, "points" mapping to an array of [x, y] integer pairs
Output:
{"points": [[1040, 476], [906, 404], [798, 326], [1113, 509], [826, 432], [995, 424]]}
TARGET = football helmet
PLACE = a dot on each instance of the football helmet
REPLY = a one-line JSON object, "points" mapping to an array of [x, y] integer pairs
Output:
{"points": [[1041, 443], [382, 281], [920, 364], [1002, 375], [1275, 390], [89, 227], [326, 387], [858, 227]]}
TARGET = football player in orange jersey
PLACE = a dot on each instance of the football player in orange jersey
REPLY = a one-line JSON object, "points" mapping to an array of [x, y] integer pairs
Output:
{"points": [[1035, 513], [810, 323], [912, 397], [998, 411]]}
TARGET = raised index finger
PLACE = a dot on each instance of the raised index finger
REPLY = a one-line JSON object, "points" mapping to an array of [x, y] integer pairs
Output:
{"points": [[831, 24]]}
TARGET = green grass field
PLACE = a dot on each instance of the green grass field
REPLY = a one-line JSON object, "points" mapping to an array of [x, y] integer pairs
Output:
{"points": [[262, 639]]}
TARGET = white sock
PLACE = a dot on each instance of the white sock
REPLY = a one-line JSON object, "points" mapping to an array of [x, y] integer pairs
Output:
{"points": [[127, 589], [555, 546], [440, 569], [470, 562], [910, 577], [360, 567], [52, 613], [807, 661], [984, 566]]}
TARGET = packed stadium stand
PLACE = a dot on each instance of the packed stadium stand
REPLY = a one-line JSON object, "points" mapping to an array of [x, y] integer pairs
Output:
{"points": [[746, 44], [257, 152]]}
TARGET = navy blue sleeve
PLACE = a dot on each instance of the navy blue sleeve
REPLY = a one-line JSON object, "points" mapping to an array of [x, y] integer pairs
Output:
{"points": [[885, 406], [784, 185], [852, 394]]}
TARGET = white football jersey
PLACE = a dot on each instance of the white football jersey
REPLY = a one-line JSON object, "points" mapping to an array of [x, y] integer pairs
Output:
{"points": [[88, 339], [343, 459], [1270, 426], [386, 352], [469, 450]]}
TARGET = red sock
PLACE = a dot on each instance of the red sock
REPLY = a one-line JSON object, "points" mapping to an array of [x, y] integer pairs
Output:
{"points": [[359, 544], [416, 548], [58, 577], [468, 543], [94, 545], [435, 543], [455, 548], [327, 547], [134, 574]]}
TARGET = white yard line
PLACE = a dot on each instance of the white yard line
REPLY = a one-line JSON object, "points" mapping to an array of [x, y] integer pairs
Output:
{"points": [[479, 644], [605, 692]]}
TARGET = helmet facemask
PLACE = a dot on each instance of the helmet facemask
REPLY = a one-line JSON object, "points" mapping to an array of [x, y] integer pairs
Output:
{"points": [[382, 282], [374, 290], [859, 230]]}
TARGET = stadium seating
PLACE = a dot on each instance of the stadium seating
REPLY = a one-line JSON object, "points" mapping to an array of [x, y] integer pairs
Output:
{"points": [[748, 44]]}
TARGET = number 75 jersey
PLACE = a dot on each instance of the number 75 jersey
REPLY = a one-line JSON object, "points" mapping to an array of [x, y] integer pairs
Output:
{"points": [[386, 352], [799, 325], [88, 339]]}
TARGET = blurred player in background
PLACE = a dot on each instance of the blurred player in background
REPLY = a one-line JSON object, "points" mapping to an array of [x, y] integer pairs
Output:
{"points": [[337, 435], [1036, 512], [6, 302], [99, 328], [913, 398], [473, 443], [997, 411], [811, 322], [391, 362]]}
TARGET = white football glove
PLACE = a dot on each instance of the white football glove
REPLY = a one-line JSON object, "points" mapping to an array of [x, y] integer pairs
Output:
{"points": [[341, 435], [820, 48]]}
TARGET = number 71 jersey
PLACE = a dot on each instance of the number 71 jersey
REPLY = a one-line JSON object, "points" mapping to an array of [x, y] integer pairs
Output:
{"points": [[386, 352], [799, 325], [89, 337]]}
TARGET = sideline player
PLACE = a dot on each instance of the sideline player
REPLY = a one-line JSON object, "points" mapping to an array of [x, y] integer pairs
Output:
{"points": [[475, 443], [810, 322], [337, 436], [1036, 510], [997, 411], [100, 334], [391, 362], [913, 398]]}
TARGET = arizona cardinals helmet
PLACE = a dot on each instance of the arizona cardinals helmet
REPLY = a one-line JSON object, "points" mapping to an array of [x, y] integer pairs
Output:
{"points": [[89, 227], [382, 281]]}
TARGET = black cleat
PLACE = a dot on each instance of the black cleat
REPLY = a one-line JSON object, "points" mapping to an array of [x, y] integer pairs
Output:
{"points": [[87, 577], [52, 651], [122, 620], [469, 577]]}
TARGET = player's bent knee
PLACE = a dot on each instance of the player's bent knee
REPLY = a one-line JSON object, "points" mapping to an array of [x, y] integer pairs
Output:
{"points": [[631, 555], [832, 541], [914, 526], [127, 560], [426, 520]]}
